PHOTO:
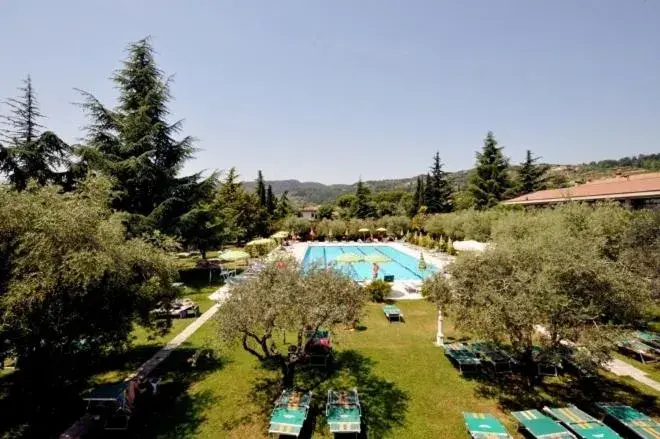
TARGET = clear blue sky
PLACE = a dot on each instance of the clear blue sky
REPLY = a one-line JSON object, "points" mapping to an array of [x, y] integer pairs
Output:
{"points": [[333, 90]]}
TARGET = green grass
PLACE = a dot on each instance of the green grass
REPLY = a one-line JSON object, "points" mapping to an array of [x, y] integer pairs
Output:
{"points": [[145, 343], [652, 369], [408, 388]]}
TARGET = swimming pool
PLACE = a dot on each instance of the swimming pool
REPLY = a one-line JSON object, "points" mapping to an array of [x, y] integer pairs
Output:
{"points": [[400, 265]]}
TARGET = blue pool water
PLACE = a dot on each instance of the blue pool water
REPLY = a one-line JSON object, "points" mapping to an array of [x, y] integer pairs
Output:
{"points": [[401, 265]]}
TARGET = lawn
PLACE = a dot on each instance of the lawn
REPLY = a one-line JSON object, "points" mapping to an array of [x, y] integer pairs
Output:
{"points": [[407, 386], [144, 343]]}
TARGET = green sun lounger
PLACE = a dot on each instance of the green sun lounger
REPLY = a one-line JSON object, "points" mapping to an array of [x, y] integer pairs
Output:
{"points": [[499, 360], [581, 424], [484, 426], [645, 353], [650, 338], [632, 420], [343, 411], [393, 313], [290, 413], [539, 426], [462, 357]]}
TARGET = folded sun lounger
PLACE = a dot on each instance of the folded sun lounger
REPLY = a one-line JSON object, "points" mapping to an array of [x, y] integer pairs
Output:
{"points": [[484, 426], [462, 357], [581, 424], [499, 360], [393, 313], [645, 353], [637, 423], [649, 338], [540, 426]]}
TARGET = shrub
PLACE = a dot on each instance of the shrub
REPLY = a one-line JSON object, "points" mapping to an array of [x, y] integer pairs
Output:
{"points": [[378, 290]]}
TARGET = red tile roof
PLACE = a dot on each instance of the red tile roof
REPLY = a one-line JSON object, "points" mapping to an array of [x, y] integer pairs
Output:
{"points": [[620, 187]]}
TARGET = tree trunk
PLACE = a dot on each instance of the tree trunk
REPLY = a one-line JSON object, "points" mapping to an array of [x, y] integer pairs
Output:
{"points": [[529, 368]]}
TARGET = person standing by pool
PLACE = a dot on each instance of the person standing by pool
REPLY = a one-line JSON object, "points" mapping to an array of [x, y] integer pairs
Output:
{"points": [[374, 270]]}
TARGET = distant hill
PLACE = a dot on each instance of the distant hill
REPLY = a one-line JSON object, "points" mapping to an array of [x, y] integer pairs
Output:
{"points": [[308, 192]]}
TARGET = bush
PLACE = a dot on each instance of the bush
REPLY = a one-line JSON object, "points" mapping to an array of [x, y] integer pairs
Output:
{"points": [[378, 290]]}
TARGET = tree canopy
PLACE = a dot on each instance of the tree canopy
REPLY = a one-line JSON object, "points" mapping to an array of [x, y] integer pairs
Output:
{"points": [[491, 181], [557, 273], [361, 207], [439, 191], [283, 298], [531, 175], [135, 144], [30, 153], [72, 285]]}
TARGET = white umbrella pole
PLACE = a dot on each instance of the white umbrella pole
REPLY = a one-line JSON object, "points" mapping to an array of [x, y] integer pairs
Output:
{"points": [[440, 337]]}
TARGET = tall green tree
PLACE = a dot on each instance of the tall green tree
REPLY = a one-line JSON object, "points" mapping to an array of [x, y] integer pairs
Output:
{"points": [[531, 176], [440, 191], [30, 153], [72, 287], [271, 201], [418, 197], [284, 207], [238, 210], [362, 209], [491, 182], [261, 190], [428, 190], [136, 145]]}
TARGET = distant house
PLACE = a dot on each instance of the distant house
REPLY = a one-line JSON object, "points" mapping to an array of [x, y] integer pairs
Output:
{"points": [[635, 190], [308, 212]]}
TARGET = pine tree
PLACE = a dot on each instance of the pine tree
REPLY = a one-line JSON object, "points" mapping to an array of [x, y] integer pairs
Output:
{"points": [[30, 154], [284, 207], [271, 201], [531, 176], [440, 190], [135, 144], [491, 182], [362, 209], [261, 189]]}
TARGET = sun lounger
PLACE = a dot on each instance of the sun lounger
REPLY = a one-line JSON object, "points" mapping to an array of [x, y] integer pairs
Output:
{"points": [[545, 366], [393, 313], [649, 338], [290, 413], [498, 359], [343, 411], [633, 421], [540, 426], [484, 426], [581, 424], [462, 357], [644, 352]]}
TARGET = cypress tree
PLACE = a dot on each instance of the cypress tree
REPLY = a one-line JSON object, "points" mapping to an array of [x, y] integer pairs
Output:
{"points": [[490, 183], [271, 201], [531, 176], [261, 189], [30, 153], [429, 194], [362, 208], [418, 197], [135, 144], [440, 190]]}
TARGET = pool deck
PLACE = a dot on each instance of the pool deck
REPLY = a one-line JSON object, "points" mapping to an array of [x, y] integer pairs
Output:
{"points": [[401, 289]]}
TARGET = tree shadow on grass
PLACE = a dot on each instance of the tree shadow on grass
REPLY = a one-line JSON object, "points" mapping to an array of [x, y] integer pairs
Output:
{"points": [[512, 393], [383, 404], [174, 412]]}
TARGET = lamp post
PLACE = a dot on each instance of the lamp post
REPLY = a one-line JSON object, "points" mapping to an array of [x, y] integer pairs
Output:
{"points": [[440, 337]]}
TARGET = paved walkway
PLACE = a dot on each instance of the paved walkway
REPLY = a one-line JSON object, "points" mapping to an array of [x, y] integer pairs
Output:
{"points": [[148, 366], [621, 368]]}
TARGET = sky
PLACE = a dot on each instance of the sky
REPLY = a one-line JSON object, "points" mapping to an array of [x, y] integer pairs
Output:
{"points": [[333, 91]]}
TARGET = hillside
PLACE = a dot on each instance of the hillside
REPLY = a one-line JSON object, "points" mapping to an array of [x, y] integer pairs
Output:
{"points": [[308, 192]]}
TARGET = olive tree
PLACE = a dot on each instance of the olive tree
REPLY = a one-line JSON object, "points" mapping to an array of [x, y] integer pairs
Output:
{"points": [[71, 284], [547, 279], [282, 298]]}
